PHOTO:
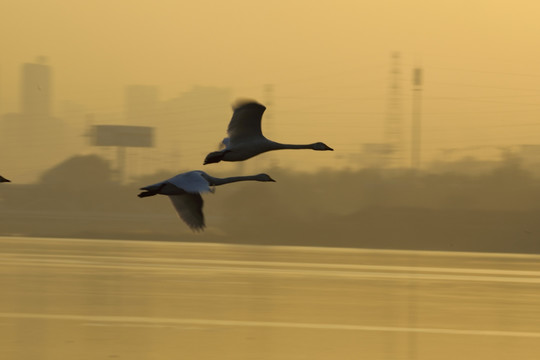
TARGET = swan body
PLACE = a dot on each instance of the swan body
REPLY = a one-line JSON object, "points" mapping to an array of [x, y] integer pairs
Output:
{"points": [[246, 139], [185, 191], [3, 179]]}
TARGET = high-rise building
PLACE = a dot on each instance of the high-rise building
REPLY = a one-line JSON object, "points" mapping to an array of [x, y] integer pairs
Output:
{"points": [[34, 138], [36, 89]]}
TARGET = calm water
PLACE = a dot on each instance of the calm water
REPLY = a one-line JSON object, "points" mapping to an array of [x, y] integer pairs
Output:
{"points": [[100, 299]]}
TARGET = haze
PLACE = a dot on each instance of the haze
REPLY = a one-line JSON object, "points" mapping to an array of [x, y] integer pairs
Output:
{"points": [[329, 262], [329, 64]]}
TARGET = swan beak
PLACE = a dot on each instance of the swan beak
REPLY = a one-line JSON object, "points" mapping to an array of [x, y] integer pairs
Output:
{"points": [[329, 148]]}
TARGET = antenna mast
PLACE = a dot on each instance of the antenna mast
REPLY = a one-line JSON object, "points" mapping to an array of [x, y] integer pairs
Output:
{"points": [[416, 130], [393, 123]]}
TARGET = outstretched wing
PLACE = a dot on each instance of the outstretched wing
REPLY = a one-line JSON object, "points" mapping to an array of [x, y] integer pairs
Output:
{"points": [[245, 124], [189, 208], [191, 182], [224, 143]]}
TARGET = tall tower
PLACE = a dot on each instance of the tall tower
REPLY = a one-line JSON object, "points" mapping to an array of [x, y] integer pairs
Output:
{"points": [[394, 114], [416, 130], [36, 89]]}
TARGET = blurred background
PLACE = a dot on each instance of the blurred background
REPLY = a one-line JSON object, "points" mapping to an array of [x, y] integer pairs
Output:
{"points": [[417, 238], [429, 107]]}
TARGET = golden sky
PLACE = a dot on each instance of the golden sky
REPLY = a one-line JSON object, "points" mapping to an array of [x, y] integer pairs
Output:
{"points": [[329, 61]]}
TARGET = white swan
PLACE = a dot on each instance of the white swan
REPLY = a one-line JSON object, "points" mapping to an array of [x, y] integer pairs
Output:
{"points": [[185, 190], [246, 139], [3, 179]]}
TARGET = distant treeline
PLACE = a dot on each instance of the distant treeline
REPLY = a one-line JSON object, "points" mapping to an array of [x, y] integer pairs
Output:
{"points": [[494, 210]]}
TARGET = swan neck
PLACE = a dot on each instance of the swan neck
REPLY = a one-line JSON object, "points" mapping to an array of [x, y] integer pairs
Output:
{"points": [[227, 180], [293, 146]]}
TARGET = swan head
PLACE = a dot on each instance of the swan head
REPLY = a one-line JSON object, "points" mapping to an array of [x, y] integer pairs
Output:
{"points": [[214, 157], [246, 102], [264, 177], [321, 147]]}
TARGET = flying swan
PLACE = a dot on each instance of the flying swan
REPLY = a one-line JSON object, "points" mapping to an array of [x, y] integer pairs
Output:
{"points": [[246, 139], [185, 190]]}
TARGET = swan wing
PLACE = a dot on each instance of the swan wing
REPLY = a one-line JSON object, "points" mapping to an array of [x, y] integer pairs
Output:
{"points": [[189, 208], [245, 125], [224, 143], [191, 182]]}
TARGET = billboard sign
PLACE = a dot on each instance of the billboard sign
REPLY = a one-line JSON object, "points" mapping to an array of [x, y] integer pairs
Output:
{"points": [[122, 135]]}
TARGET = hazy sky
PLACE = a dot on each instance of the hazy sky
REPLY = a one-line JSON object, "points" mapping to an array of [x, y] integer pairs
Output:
{"points": [[329, 61]]}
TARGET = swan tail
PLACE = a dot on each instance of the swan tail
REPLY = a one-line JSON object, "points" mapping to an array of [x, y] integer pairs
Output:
{"points": [[147, 193], [214, 157]]}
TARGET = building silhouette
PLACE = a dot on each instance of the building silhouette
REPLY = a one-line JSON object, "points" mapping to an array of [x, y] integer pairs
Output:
{"points": [[35, 100], [33, 139], [194, 123]]}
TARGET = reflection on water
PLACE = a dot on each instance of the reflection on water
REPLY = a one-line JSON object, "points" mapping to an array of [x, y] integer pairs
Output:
{"points": [[150, 300]]}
